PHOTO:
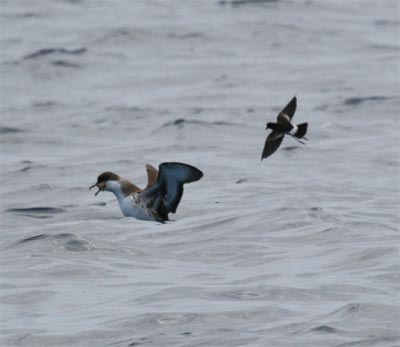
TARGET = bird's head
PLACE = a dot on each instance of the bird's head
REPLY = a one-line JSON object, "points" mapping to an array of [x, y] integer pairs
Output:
{"points": [[106, 181]]}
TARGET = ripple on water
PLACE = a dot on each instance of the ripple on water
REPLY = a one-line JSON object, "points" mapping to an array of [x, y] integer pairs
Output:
{"points": [[9, 130], [33, 238], [324, 329], [41, 212], [59, 242], [372, 311], [353, 101], [319, 213], [154, 320], [76, 245], [27, 297]]}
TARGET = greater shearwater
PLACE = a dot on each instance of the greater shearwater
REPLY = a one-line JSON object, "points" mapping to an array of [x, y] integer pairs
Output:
{"points": [[282, 127], [161, 196]]}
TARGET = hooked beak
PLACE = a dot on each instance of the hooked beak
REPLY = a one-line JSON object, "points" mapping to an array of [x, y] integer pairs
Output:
{"points": [[100, 186]]}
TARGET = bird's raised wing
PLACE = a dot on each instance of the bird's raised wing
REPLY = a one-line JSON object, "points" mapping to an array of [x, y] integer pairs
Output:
{"points": [[152, 176], [289, 111], [165, 195], [272, 143]]}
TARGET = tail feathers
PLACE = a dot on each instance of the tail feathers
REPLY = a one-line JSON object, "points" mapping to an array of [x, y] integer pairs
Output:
{"points": [[301, 130]]}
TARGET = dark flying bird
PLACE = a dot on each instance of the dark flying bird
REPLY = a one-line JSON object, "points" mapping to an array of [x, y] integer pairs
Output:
{"points": [[282, 127], [161, 196]]}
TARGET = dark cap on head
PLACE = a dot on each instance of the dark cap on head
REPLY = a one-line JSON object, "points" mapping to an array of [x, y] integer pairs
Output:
{"points": [[107, 176], [102, 179]]}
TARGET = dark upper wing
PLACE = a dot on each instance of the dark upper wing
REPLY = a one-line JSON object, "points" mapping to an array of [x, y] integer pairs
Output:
{"points": [[164, 197], [272, 143], [172, 178], [289, 110]]}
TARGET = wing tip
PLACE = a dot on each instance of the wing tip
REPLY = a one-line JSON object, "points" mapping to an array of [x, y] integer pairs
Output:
{"points": [[195, 173]]}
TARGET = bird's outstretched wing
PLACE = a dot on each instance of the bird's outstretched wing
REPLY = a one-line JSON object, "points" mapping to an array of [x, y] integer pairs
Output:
{"points": [[272, 143], [289, 111], [165, 195]]}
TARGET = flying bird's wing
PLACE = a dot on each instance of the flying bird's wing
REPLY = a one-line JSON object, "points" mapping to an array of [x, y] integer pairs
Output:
{"points": [[152, 175], [272, 143], [287, 113], [165, 195]]}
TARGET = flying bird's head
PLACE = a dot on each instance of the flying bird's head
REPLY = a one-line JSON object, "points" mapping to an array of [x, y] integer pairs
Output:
{"points": [[270, 126], [106, 182]]}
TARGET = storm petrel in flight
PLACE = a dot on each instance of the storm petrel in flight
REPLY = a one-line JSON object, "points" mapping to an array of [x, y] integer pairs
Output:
{"points": [[282, 127]]}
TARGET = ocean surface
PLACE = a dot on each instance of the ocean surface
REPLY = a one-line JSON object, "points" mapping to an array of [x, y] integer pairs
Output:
{"points": [[301, 249]]}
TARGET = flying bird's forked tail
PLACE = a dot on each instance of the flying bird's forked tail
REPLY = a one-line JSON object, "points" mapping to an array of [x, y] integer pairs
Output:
{"points": [[301, 130]]}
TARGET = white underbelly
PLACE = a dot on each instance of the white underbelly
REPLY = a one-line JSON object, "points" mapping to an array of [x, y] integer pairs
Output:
{"points": [[130, 209]]}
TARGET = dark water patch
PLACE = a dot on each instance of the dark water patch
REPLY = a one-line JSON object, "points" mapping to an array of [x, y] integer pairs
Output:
{"points": [[65, 241], [386, 22], [76, 245], [26, 168], [133, 109], [9, 130], [29, 15], [186, 333], [36, 212], [181, 122], [353, 308], [30, 166], [45, 187], [245, 2], [63, 235], [48, 51], [137, 343], [100, 203], [324, 329], [63, 63], [44, 104], [39, 210], [359, 100], [241, 180], [290, 148], [191, 35], [383, 47], [33, 238], [223, 123]]}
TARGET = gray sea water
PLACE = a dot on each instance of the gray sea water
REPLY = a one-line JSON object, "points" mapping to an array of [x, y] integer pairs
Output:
{"points": [[301, 249]]}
